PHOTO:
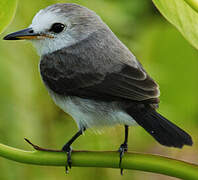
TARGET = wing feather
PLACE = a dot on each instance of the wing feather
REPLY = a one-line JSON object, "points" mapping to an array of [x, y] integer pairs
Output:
{"points": [[91, 69]]}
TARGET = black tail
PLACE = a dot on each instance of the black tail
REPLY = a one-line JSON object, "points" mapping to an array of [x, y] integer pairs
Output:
{"points": [[165, 132]]}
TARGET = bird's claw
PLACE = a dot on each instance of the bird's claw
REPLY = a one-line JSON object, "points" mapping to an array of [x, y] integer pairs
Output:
{"points": [[68, 151], [123, 148]]}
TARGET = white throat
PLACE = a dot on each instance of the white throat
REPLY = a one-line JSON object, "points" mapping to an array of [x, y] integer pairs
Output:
{"points": [[46, 46]]}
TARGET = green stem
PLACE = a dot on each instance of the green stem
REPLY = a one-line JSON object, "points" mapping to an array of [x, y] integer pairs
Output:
{"points": [[136, 161], [193, 4]]}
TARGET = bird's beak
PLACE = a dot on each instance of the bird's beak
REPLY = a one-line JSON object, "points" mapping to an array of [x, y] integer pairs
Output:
{"points": [[26, 34]]}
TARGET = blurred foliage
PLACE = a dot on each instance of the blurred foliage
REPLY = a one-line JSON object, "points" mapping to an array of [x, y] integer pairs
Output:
{"points": [[26, 110], [7, 11], [182, 16]]}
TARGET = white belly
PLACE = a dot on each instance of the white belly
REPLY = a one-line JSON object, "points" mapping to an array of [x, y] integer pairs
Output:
{"points": [[89, 113]]}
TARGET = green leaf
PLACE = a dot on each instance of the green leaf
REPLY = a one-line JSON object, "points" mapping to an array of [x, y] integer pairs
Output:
{"points": [[7, 11], [182, 16], [193, 4]]}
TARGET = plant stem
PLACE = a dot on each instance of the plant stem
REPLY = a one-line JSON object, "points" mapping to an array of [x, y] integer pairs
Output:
{"points": [[193, 4], [136, 161]]}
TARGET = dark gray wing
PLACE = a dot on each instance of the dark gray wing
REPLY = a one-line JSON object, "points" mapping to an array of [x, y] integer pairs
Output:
{"points": [[121, 82], [96, 72]]}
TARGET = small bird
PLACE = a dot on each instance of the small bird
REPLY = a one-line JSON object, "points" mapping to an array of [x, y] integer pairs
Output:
{"points": [[91, 75]]}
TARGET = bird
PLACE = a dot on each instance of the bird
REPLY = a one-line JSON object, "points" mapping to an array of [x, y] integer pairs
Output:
{"points": [[91, 75]]}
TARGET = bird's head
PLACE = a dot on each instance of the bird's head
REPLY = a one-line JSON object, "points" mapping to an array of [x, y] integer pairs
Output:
{"points": [[59, 26]]}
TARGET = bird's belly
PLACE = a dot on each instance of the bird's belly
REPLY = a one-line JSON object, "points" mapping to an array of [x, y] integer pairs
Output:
{"points": [[89, 113]]}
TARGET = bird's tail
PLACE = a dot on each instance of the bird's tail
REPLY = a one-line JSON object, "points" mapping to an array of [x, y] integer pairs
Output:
{"points": [[165, 132]]}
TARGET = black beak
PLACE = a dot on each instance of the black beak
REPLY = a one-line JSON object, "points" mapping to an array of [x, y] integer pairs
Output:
{"points": [[25, 34]]}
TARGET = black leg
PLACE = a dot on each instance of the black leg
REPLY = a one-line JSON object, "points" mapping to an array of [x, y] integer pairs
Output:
{"points": [[66, 148], [123, 148]]}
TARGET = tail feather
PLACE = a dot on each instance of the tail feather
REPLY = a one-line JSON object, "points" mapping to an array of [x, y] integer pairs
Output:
{"points": [[165, 132]]}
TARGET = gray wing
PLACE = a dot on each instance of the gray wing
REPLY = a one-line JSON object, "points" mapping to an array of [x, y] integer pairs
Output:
{"points": [[97, 71]]}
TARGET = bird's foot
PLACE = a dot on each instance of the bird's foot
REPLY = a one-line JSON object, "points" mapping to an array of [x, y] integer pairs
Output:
{"points": [[68, 150], [123, 148]]}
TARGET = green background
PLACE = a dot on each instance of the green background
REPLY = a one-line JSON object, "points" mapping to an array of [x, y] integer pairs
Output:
{"points": [[26, 110]]}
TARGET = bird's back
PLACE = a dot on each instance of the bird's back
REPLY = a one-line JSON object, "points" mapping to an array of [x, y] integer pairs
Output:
{"points": [[100, 68]]}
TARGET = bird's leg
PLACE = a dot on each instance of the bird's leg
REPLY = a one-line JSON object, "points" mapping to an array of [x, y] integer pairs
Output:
{"points": [[66, 148], [123, 148]]}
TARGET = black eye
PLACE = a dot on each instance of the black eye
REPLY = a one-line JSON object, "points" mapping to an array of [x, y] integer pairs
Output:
{"points": [[57, 27]]}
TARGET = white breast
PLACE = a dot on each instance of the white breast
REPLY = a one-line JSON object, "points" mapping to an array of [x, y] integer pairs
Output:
{"points": [[89, 113]]}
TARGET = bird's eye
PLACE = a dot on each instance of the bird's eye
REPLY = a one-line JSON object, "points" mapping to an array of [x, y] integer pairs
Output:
{"points": [[57, 27]]}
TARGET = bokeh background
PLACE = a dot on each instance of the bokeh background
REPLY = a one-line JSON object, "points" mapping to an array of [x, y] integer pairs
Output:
{"points": [[26, 110]]}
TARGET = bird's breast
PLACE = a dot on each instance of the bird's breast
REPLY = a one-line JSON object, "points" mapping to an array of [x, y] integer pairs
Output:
{"points": [[90, 113]]}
